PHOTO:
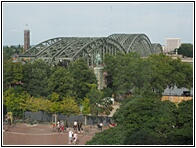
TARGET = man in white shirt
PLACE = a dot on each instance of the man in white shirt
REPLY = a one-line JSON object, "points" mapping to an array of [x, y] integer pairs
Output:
{"points": [[75, 125], [70, 136]]}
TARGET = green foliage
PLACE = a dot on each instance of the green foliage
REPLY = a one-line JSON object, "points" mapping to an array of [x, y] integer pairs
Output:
{"points": [[148, 121], [41, 81], [12, 73], [69, 106], [107, 92], [7, 73], [180, 74], [187, 79], [161, 70], [82, 76], [86, 106], [55, 97], [17, 72], [61, 82], [94, 94], [35, 78], [107, 112], [147, 76], [142, 136], [122, 68], [113, 136], [15, 102], [8, 52], [186, 49], [55, 107], [184, 123]]}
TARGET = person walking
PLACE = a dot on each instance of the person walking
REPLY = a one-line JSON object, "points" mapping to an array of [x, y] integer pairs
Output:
{"points": [[75, 138], [78, 126], [58, 126], [62, 126], [70, 136], [81, 128], [75, 125], [100, 125]]}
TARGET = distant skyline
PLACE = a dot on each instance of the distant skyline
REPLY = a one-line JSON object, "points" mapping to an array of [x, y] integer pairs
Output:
{"points": [[46, 20]]}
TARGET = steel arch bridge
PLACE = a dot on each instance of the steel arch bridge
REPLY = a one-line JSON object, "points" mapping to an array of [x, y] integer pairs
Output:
{"points": [[69, 49]]}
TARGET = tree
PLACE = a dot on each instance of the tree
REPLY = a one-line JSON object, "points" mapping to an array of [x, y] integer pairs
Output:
{"points": [[35, 78], [186, 49], [86, 107], [148, 121], [10, 100], [18, 102], [161, 70], [54, 103], [187, 79], [183, 134], [82, 76], [32, 104], [24, 96], [61, 82], [124, 69], [7, 73], [69, 106], [7, 53], [113, 136], [175, 75], [145, 113], [95, 97], [12, 73], [17, 72]]}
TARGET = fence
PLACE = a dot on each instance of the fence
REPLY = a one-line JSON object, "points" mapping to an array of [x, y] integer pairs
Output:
{"points": [[45, 117], [176, 99]]}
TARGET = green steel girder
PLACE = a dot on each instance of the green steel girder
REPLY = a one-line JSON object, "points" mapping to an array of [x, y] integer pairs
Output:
{"points": [[72, 48], [101, 45], [139, 43], [36, 49], [157, 48]]}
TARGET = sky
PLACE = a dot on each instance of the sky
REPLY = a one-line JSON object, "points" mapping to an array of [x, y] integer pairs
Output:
{"points": [[46, 20]]}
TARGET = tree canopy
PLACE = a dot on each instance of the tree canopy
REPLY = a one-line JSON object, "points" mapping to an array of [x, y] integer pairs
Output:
{"points": [[37, 86], [152, 74], [186, 49], [148, 121]]}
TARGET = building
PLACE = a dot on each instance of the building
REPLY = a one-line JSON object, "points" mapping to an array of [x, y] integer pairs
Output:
{"points": [[171, 44], [26, 39]]}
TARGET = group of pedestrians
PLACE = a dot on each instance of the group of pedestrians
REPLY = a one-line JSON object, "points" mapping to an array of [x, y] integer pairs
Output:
{"points": [[73, 133], [78, 126], [73, 137], [60, 126]]}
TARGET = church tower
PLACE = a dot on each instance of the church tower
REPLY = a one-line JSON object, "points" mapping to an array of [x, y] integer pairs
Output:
{"points": [[26, 39]]}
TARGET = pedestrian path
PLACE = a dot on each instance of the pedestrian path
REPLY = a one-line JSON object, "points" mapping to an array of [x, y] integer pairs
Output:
{"points": [[115, 107], [40, 134]]}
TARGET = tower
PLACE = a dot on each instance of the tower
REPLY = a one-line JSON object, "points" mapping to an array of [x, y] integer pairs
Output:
{"points": [[26, 39]]}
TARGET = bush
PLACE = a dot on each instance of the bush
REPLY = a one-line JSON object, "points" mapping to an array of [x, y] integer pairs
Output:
{"points": [[110, 108], [107, 112]]}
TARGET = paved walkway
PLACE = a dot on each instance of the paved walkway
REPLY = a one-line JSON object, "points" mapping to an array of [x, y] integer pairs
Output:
{"points": [[39, 134], [115, 107]]}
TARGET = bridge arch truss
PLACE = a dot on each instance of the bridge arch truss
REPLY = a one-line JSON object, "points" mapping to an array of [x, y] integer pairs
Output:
{"points": [[69, 49]]}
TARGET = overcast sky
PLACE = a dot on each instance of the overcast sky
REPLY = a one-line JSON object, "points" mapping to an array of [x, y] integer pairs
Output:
{"points": [[49, 20]]}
